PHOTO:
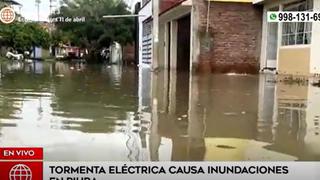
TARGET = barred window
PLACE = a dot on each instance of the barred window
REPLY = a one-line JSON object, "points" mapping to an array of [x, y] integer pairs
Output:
{"points": [[296, 33], [147, 41]]}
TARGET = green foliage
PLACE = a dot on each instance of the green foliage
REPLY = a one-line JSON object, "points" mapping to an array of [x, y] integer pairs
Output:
{"points": [[59, 37], [95, 32], [22, 36]]}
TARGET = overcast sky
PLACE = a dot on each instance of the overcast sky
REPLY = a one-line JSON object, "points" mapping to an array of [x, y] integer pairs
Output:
{"points": [[29, 10]]}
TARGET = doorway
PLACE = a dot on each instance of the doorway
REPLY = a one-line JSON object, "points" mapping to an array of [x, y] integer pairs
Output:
{"points": [[168, 47], [183, 65], [183, 43]]}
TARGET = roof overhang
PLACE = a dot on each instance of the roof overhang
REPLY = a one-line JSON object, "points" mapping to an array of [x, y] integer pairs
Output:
{"points": [[181, 4], [258, 1], [234, 1], [241, 1]]}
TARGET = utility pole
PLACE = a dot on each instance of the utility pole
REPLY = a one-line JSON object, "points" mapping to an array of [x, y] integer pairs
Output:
{"points": [[51, 24], [155, 29], [38, 8], [52, 5]]}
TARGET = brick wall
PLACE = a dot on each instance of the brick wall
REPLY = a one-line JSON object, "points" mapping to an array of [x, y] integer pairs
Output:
{"points": [[233, 41], [129, 54]]}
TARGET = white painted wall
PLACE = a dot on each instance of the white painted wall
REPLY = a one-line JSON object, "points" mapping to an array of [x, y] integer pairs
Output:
{"points": [[315, 41], [264, 41], [263, 56], [146, 11]]}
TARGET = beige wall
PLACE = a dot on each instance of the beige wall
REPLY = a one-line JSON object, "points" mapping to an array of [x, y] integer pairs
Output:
{"points": [[294, 60], [315, 48]]}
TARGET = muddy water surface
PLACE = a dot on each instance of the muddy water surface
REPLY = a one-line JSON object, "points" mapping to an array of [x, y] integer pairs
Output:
{"points": [[83, 112]]}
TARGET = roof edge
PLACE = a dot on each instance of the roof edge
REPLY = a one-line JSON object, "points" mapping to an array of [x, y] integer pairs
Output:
{"points": [[258, 1], [232, 1]]}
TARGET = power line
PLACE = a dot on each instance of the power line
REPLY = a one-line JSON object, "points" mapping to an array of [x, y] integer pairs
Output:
{"points": [[123, 16]]}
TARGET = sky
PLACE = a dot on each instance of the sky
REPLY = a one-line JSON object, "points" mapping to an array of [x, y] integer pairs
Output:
{"points": [[29, 9]]}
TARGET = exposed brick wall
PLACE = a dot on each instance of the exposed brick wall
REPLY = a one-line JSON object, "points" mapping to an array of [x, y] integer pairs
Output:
{"points": [[129, 54], [234, 37]]}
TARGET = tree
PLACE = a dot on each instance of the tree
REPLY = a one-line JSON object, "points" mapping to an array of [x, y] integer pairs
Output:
{"points": [[95, 32], [23, 36]]}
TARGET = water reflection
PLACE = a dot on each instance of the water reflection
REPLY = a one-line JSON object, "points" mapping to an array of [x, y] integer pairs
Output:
{"points": [[84, 112], [74, 111], [234, 117]]}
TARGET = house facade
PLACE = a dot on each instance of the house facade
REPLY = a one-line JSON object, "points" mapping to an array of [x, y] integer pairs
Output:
{"points": [[230, 36], [210, 36], [290, 48]]}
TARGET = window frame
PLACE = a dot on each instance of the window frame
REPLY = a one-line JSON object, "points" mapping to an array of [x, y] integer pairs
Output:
{"points": [[305, 34]]}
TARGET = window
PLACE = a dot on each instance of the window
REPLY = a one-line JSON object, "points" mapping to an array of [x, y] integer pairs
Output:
{"points": [[296, 33], [147, 41]]}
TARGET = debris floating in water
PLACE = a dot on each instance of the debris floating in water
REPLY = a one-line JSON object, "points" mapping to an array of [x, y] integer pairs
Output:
{"points": [[230, 113], [59, 75], [225, 147]]}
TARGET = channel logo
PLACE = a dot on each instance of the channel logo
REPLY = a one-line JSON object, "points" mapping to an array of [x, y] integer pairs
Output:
{"points": [[7, 15], [20, 172], [21, 163]]}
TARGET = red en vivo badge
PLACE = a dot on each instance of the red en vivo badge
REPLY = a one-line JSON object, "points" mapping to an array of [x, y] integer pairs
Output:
{"points": [[21, 163]]}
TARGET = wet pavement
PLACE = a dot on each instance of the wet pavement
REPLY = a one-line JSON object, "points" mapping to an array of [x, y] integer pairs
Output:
{"points": [[109, 113]]}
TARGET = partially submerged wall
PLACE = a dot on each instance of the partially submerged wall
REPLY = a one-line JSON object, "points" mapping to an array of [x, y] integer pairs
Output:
{"points": [[233, 41]]}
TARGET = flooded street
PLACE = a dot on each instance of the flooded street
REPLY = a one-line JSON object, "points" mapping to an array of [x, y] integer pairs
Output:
{"points": [[83, 112]]}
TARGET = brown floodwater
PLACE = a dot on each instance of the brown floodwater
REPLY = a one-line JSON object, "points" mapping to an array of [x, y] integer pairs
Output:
{"points": [[79, 112]]}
